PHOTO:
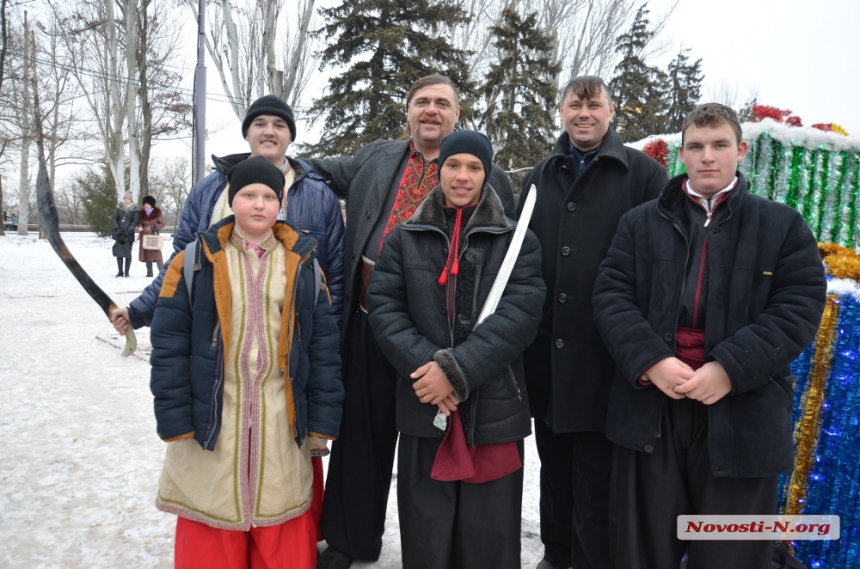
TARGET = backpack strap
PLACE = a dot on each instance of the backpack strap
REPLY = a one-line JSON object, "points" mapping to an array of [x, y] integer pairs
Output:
{"points": [[191, 263], [318, 284]]}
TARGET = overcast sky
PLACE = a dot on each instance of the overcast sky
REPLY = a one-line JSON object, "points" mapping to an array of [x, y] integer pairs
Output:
{"points": [[802, 56]]}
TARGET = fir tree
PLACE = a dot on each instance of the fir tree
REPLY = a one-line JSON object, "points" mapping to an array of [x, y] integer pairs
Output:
{"points": [[385, 45], [685, 85], [98, 194], [637, 88], [520, 93]]}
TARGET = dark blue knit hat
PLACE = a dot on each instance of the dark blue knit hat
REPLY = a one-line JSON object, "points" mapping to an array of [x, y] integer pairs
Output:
{"points": [[269, 105], [255, 170], [470, 142]]}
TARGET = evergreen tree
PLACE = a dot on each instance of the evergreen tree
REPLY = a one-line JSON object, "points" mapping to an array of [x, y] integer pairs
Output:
{"points": [[637, 88], [98, 194], [385, 45], [520, 93], [685, 85]]}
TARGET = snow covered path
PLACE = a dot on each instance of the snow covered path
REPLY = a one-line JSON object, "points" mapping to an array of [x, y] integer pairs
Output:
{"points": [[79, 457]]}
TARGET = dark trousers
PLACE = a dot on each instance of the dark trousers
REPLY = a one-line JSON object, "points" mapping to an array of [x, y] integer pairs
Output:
{"points": [[574, 497], [650, 490], [455, 525], [359, 470]]}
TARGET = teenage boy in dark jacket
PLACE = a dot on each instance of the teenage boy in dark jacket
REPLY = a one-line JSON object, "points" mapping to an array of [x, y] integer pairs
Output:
{"points": [[704, 299], [429, 285], [308, 204]]}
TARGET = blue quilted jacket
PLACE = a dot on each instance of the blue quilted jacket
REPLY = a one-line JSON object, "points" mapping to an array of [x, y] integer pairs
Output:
{"points": [[313, 209]]}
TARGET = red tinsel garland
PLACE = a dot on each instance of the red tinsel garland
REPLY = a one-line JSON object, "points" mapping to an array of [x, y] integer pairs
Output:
{"points": [[658, 150]]}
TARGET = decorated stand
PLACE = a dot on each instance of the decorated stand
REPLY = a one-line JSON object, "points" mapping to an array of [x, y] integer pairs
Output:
{"points": [[817, 171]]}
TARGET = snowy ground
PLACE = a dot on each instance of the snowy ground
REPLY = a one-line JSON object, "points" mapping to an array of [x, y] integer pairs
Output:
{"points": [[79, 457]]}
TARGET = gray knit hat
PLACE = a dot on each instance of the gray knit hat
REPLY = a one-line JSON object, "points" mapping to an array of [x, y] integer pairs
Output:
{"points": [[269, 105], [470, 142], [255, 170]]}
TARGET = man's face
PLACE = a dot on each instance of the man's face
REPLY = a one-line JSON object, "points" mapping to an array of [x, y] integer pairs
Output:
{"points": [[432, 114], [586, 120], [461, 177], [269, 137], [711, 155], [256, 209]]}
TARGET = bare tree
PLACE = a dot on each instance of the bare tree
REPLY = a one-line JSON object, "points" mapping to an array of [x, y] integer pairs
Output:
{"points": [[171, 180], [25, 111], [130, 19], [259, 48]]}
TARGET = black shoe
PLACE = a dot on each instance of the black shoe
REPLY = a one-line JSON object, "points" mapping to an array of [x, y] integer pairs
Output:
{"points": [[149, 274], [331, 558], [119, 274], [126, 275]]}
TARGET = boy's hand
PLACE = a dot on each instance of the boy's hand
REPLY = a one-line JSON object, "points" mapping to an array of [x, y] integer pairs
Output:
{"points": [[119, 319], [709, 384], [668, 374], [432, 386], [448, 405]]}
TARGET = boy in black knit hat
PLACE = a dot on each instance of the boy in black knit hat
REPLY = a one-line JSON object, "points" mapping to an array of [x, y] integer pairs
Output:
{"points": [[246, 382], [462, 410]]}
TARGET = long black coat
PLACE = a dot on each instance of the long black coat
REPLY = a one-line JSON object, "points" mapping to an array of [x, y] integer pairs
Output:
{"points": [[766, 292], [407, 312], [124, 221], [568, 369], [365, 181]]}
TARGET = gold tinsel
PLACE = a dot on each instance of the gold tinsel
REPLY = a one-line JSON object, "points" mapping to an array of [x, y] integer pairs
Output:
{"points": [[809, 426], [840, 262]]}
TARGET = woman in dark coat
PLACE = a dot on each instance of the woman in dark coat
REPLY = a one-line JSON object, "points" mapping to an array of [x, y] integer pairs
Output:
{"points": [[124, 221], [151, 222]]}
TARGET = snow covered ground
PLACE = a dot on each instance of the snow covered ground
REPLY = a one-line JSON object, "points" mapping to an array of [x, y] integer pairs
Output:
{"points": [[79, 457]]}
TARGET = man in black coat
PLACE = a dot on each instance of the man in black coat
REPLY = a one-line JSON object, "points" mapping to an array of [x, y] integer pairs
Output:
{"points": [[705, 298], [383, 185], [583, 188]]}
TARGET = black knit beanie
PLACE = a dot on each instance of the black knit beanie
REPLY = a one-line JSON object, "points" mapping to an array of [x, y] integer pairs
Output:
{"points": [[255, 170], [470, 142], [149, 200], [269, 105]]}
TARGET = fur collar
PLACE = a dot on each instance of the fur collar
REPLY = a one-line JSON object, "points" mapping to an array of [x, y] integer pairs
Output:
{"points": [[489, 212], [154, 214]]}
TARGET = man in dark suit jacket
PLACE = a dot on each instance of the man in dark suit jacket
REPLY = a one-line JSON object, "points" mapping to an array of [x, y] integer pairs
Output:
{"points": [[383, 185]]}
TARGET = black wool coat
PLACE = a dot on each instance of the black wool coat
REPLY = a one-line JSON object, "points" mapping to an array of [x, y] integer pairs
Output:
{"points": [[766, 294], [408, 316], [568, 369]]}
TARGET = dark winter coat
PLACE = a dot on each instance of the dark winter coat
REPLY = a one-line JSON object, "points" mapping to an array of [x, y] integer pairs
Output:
{"points": [[365, 180], [125, 220], [150, 224], [568, 368], [188, 342], [766, 292], [408, 315], [313, 209]]}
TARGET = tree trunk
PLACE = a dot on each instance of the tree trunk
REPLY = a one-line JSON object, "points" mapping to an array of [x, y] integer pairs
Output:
{"points": [[114, 114], [26, 136]]}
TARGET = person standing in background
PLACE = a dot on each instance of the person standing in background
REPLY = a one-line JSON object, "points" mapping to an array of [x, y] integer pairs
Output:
{"points": [[151, 222], [125, 219]]}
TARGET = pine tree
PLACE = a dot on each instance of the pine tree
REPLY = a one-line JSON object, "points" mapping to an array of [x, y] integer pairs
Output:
{"points": [[685, 85], [520, 93], [385, 45], [637, 88], [98, 194]]}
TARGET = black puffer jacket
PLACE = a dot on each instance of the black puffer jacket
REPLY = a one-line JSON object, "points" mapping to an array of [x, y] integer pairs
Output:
{"points": [[766, 292], [408, 317]]}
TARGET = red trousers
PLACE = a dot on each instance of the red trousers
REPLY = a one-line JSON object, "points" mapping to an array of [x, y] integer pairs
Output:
{"points": [[290, 545]]}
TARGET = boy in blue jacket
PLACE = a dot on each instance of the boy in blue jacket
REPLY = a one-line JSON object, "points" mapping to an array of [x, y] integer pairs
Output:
{"points": [[246, 379]]}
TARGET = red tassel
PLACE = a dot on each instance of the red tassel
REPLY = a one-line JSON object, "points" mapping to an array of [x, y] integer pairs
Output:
{"points": [[443, 278]]}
